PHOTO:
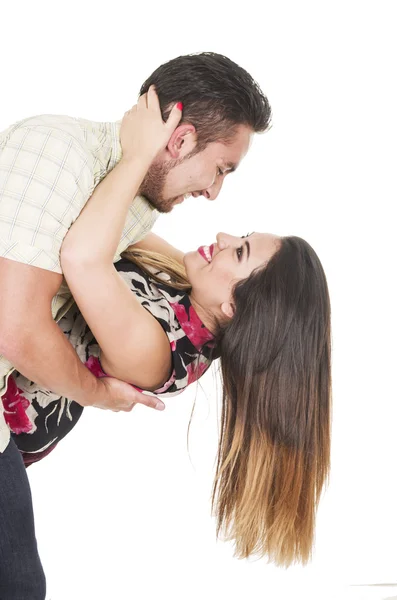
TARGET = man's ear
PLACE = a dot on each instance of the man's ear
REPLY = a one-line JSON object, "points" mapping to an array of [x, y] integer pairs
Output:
{"points": [[182, 141], [228, 309]]}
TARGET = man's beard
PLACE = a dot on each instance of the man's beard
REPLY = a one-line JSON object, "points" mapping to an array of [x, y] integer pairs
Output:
{"points": [[153, 185]]}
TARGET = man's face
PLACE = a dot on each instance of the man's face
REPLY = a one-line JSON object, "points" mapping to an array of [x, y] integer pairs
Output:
{"points": [[174, 175]]}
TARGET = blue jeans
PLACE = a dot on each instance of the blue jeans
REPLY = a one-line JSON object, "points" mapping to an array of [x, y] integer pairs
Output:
{"points": [[21, 573]]}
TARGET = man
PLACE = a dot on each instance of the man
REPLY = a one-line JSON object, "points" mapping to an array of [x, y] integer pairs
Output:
{"points": [[49, 167]]}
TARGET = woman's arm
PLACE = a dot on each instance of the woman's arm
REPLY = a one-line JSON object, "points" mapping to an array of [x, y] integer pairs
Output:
{"points": [[156, 244], [134, 346]]}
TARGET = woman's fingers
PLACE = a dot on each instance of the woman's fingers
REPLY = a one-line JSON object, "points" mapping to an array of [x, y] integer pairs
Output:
{"points": [[131, 110], [154, 103], [143, 132], [174, 117], [143, 101], [152, 98]]}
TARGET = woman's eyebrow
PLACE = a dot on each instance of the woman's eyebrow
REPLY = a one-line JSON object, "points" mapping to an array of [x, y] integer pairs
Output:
{"points": [[248, 249]]}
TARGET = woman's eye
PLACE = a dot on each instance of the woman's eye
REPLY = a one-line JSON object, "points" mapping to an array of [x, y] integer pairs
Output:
{"points": [[239, 252], [220, 172]]}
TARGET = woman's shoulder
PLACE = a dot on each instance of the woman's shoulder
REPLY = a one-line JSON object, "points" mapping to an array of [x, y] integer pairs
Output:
{"points": [[141, 280], [191, 344], [127, 266]]}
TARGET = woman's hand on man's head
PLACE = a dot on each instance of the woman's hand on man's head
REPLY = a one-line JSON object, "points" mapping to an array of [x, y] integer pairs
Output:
{"points": [[143, 133]]}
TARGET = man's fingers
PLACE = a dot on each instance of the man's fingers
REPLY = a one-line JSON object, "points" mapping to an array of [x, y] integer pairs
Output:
{"points": [[150, 401]]}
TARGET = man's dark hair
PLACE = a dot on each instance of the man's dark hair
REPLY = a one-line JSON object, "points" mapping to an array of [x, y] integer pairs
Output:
{"points": [[216, 93]]}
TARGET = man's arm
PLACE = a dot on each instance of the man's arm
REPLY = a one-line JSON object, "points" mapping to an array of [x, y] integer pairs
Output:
{"points": [[32, 341], [156, 244]]}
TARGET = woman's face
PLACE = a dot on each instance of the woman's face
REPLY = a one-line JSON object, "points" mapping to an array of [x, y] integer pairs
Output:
{"points": [[214, 270]]}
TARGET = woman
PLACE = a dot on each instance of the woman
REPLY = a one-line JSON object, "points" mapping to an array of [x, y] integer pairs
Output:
{"points": [[266, 303], [261, 305]]}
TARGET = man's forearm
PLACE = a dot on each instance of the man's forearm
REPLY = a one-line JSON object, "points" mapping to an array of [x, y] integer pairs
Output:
{"points": [[45, 356]]}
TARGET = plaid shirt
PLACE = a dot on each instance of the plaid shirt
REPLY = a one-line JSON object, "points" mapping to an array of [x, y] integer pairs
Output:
{"points": [[49, 167]]}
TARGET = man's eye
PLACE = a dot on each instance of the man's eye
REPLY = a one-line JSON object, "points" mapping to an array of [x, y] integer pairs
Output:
{"points": [[239, 252], [220, 172]]}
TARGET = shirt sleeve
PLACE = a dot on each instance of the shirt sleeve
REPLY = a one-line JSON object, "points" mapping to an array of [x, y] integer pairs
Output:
{"points": [[140, 220], [46, 177]]}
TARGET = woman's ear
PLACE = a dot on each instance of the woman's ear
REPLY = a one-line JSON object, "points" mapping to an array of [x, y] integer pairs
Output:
{"points": [[182, 141], [228, 309]]}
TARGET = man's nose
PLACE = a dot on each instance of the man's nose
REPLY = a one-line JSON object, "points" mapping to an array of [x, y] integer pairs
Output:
{"points": [[212, 192]]}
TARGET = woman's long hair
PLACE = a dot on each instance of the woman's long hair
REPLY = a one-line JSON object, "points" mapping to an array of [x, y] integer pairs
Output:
{"points": [[274, 447]]}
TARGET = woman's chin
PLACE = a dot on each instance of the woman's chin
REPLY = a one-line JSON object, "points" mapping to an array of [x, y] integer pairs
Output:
{"points": [[189, 255], [190, 263]]}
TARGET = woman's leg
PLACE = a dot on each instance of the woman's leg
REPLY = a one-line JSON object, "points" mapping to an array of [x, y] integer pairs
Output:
{"points": [[21, 574]]}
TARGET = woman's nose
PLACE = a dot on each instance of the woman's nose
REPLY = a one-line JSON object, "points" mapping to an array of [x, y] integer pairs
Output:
{"points": [[224, 240], [221, 240]]}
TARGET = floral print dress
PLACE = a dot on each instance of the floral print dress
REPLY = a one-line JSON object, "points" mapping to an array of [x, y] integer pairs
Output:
{"points": [[38, 418]]}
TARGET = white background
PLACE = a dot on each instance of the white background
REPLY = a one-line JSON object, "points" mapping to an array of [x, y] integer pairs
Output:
{"points": [[131, 519]]}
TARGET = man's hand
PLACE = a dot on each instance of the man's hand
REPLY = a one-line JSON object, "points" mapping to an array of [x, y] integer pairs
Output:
{"points": [[116, 395], [37, 348]]}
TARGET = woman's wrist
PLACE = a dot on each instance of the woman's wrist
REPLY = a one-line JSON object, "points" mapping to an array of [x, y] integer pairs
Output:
{"points": [[104, 215], [139, 164]]}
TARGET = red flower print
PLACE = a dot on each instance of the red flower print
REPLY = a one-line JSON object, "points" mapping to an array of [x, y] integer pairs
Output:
{"points": [[94, 366], [192, 325], [15, 406]]}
